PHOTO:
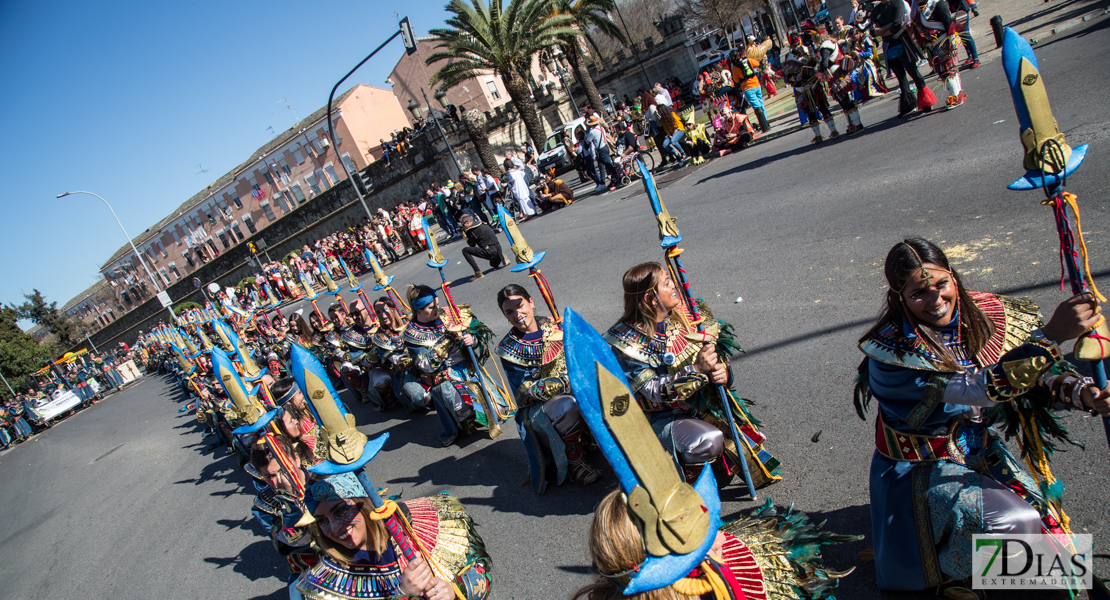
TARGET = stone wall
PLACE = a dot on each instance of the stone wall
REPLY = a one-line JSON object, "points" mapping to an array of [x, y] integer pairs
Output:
{"points": [[672, 57]]}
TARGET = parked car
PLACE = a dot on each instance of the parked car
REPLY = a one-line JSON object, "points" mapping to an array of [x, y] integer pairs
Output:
{"points": [[554, 154]]}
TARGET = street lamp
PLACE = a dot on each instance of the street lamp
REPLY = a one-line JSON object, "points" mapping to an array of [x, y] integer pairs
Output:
{"points": [[442, 97], [414, 109], [133, 248], [435, 117], [556, 67]]}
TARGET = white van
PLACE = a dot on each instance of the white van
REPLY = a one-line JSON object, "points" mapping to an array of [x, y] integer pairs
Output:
{"points": [[554, 155]]}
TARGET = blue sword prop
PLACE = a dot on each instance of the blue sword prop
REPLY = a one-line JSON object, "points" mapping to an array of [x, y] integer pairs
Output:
{"points": [[1048, 161], [671, 237]]}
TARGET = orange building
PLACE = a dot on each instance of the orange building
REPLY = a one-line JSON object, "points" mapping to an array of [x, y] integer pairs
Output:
{"points": [[291, 169]]}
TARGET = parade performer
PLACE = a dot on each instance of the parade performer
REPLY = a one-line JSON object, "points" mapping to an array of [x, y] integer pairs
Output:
{"points": [[936, 29], [437, 340], [358, 558], [347, 346], [491, 405], [673, 377], [835, 68], [547, 417], [670, 344], [659, 537], [799, 70], [370, 547], [389, 356], [745, 73], [945, 364], [890, 20]]}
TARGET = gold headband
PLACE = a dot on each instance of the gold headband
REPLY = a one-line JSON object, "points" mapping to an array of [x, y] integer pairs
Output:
{"points": [[925, 275]]}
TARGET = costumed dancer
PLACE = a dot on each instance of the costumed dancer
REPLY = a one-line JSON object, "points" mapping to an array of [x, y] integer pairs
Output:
{"points": [[547, 419], [746, 67], [349, 343], [936, 29], [370, 548], [799, 70], [661, 537], [436, 340], [945, 365], [901, 55], [390, 355], [670, 346], [835, 68]]}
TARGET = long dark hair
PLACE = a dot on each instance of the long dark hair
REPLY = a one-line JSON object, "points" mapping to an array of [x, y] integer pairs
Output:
{"points": [[638, 281], [511, 290], [903, 261]]}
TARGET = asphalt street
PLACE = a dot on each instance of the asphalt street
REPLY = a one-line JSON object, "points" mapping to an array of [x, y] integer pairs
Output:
{"points": [[784, 240]]}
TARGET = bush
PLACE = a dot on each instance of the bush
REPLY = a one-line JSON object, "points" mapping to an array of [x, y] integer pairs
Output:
{"points": [[184, 306]]}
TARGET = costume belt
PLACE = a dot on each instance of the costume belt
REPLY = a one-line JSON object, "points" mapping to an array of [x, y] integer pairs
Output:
{"points": [[912, 447]]}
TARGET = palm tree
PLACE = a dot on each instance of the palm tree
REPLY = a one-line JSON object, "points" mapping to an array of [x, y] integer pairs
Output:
{"points": [[486, 36], [475, 124], [586, 15]]}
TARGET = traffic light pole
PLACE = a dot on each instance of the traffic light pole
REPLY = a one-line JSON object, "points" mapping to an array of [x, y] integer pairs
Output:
{"points": [[410, 47]]}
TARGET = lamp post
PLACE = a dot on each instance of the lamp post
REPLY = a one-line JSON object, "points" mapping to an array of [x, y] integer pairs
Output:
{"points": [[442, 97], [635, 52], [133, 248], [556, 67]]}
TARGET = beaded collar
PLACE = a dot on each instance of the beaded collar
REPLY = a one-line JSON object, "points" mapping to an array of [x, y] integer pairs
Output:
{"points": [[388, 341], [421, 334], [331, 579], [636, 344], [531, 350]]}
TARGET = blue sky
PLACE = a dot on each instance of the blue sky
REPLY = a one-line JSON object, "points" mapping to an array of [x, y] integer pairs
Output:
{"points": [[125, 99]]}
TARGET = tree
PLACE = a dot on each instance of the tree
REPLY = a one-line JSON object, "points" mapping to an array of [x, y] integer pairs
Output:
{"points": [[475, 124], [35, 309], [639, 18], [587, 15], [20, 354], [487, 37], [717, 14]]}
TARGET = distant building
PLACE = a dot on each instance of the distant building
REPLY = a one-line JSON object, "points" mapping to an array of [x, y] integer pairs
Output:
{"points": [[290, 170], [96, 306], [484, 92]]}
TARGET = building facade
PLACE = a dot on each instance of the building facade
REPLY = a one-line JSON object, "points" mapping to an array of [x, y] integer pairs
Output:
{"points": [[291, 169]]}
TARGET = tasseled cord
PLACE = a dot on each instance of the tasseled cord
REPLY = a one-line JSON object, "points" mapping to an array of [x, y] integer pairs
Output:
{"points": [[862, 395]]}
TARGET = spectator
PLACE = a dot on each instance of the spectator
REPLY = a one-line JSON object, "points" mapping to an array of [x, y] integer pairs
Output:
{"points": [[555, 193], [518, 186], [481, 243], [600, 146], [662, 96]]}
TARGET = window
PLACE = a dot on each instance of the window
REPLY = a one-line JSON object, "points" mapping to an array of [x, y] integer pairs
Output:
{"points": [[281, 202], [249, 223], [285, 168], [349, 163], [236, 202], [173, 269], [223, 238], [330, 170], [176, 238], [162, 274], [297, 193], [312, 183], [269, 178], [323, 179], [298, 155], [235, 230], [492, 85], [269, 211], [161, 249], [188, 258]]}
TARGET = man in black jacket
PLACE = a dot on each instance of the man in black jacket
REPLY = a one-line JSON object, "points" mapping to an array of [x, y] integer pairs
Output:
{"points": [[482, 243]]}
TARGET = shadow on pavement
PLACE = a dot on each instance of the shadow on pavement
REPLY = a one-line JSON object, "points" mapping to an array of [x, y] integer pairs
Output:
{"points": [[256, 561], [1078, 33], [1062, 12]]}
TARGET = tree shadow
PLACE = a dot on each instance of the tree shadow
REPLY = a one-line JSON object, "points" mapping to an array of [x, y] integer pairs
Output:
{"points": [[1078, 33], [1062, 11], [256, 561]]}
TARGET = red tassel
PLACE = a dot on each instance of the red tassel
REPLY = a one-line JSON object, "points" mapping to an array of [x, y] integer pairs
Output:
{"points": [[925, 98]]}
